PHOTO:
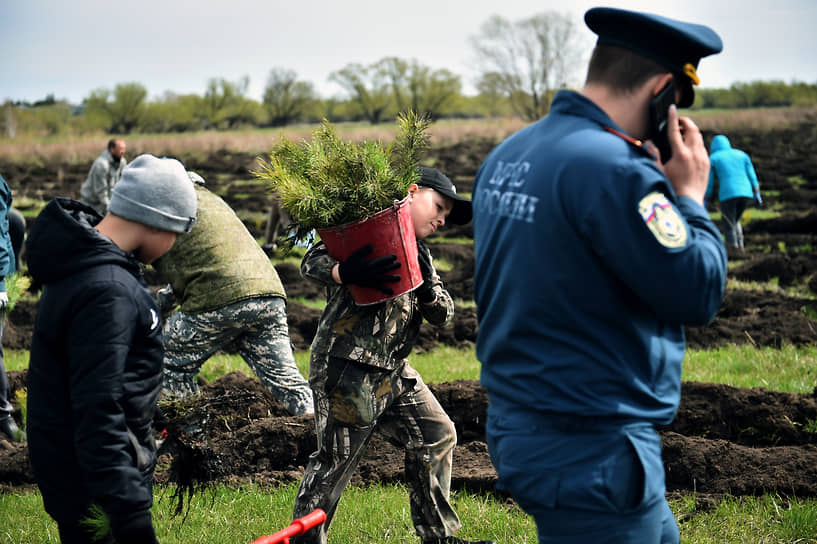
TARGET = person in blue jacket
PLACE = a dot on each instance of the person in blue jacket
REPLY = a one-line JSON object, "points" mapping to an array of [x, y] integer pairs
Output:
{"points": [[738, 187], [591, 257], [8, 427]]}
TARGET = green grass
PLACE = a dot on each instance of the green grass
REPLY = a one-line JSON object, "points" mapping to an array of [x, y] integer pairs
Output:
{"points": [[769, 212], [796, 290], [30, 207], [797, 181], [443, 265], [380, 513], [222, 363], [320, 304], [443, 364], [454, 240], [377, 514], [15, 359], [757, 520], [791, 369]]}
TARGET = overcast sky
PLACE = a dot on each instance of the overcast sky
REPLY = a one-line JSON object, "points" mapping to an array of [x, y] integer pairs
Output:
{"points": [[70, 48]]}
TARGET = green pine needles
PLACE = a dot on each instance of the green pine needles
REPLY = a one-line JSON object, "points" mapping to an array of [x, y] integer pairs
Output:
{"points": [[330, 182]]}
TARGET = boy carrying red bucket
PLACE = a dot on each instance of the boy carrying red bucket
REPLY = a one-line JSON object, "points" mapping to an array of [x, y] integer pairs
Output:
{"points": [[359, 375]]}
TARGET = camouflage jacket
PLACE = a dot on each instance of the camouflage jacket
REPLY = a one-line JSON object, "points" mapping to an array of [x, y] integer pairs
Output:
{"points": [[380, 335], [218, 262]]}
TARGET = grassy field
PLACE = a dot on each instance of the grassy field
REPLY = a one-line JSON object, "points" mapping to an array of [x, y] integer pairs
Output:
{"points": [[380, 513], [71, 148]]}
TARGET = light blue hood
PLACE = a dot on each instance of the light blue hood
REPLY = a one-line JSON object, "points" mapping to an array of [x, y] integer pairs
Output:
{"points": [[719, 143], [732, 169]]}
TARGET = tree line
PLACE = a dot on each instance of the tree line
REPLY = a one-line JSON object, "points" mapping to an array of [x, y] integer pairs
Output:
{"points": [[521, 65]]}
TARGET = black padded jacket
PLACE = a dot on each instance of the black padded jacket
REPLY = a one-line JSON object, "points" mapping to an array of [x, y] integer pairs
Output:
{"points": [[95, 371]]}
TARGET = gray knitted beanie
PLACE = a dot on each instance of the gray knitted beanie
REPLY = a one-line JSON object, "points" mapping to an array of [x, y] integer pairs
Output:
{"points": [[157, 193]]}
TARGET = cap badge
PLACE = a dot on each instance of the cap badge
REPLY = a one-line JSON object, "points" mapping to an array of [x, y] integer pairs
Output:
{"points": [[692, 74]]}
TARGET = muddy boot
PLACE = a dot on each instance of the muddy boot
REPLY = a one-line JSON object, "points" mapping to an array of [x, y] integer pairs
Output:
{"points": [[455, 540], [9, 430]]}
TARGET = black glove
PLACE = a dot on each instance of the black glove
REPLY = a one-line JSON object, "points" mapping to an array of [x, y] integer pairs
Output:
{"points": [[425, 293], [358, 270]]}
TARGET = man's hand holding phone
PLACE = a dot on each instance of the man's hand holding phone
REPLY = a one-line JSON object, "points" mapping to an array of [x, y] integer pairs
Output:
{"points": [[658, 118], [688, 169]]}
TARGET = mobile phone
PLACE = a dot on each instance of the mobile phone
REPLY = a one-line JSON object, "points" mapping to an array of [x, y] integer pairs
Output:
{"points": [[659, 108]]}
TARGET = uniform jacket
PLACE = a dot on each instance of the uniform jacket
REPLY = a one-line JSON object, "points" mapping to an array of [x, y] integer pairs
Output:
{"points": [[95, 369], [588, 266], [218, 262], [380, 335], [732, 169], [7, 258], [104, 173]]}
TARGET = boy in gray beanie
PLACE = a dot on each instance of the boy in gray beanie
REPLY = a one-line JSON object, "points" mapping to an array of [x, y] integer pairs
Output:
{"points": [[96, 353], [157, 193]]}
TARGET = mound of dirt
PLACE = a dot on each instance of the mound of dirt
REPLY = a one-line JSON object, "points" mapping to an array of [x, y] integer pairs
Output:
{"points": [[723, 440]]}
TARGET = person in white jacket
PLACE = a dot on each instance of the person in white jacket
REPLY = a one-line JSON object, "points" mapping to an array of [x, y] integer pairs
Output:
{"points": [[104, 173]]}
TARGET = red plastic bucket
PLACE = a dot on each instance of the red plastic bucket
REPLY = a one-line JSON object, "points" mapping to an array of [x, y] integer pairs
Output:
{"points": [[389, 231]]}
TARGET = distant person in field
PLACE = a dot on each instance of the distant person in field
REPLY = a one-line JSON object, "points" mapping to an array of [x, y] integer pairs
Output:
{"points": [[104, 173], [732, 171], [96, 351], [230, 294]]}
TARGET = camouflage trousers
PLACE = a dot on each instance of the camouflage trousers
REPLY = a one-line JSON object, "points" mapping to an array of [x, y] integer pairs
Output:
{"points": [[351, 401], [258, 329]]}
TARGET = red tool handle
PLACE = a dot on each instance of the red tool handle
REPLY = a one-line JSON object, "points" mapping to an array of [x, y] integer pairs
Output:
{"points": [[298, 527]]}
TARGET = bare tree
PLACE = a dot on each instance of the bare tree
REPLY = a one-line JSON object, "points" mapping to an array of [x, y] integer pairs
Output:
{"points": [[417, 87], [120, 110], [286, 98], [368, 87], [528, 60], [226, 104]]}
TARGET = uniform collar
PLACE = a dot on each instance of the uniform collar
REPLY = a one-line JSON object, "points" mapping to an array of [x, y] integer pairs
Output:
{"points": [[573, 103]]}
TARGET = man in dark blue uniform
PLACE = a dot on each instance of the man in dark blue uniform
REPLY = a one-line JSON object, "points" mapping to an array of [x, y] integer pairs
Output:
{"points": [[591, 257]]}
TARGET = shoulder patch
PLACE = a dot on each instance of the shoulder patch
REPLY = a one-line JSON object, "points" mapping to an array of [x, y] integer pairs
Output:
{"points": [[663, 220]]}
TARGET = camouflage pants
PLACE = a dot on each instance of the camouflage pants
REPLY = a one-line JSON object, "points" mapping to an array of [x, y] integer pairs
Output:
{"points": [[258, 329], [351, 399]]}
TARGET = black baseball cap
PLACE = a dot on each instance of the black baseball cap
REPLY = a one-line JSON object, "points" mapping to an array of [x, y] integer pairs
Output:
{"points": [[433, 178]]}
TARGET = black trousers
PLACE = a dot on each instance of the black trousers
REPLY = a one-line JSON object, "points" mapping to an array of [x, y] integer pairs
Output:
{"points": [[731, 211]]}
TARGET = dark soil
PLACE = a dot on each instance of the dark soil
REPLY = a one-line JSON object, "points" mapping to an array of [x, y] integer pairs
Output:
{"points": [[723, 440]]}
